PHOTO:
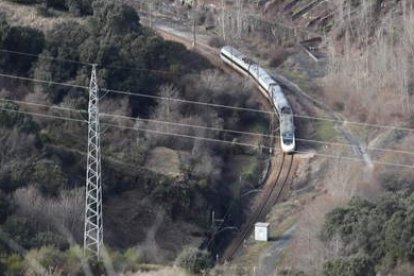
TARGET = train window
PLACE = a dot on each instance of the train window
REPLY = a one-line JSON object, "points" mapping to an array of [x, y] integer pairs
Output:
{"points": [[286, 110], [287, 138]]}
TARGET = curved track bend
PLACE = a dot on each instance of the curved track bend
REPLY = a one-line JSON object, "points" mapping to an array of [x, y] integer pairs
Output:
{"points": [[280, 168], [278, 178]]}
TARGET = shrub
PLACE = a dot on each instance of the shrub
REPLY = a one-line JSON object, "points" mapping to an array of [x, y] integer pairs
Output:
{"points": [[79, 7], [13, 265], [382, 230], [130, 260], [195, 260], [48, 256], [23, 39], [5, 207], [49, 178], [50, 239], [216, 42], [42, 10], [357, 265], [11, 119], [19, 230]]}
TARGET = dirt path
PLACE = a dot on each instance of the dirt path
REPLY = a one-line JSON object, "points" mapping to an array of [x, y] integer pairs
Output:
{"points": [[266, 263]]}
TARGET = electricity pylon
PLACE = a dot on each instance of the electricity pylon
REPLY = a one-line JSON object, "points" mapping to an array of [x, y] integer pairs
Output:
{"points": [[93, 235]]}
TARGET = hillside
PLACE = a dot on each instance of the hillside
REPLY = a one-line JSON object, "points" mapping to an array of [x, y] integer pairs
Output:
{"points": [[352, 62], [165, 162], [171, 167]]}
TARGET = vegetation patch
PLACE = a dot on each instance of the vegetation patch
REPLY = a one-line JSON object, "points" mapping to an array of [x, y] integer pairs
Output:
{"points": [[163, 160], [325, 130], [382, 231], [43, 161]]}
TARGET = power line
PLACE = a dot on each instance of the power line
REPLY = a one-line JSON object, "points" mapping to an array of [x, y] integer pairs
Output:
{"points": [[45, 105], [184, 101], [186, 136], [43, 115], [210, 128], [265, 147], [138, 69], [255, 110], [210, 104], [41, 56], [356, 159], [251, 133], [175, 99], [42, 81], [187, 125], [214, 140]]}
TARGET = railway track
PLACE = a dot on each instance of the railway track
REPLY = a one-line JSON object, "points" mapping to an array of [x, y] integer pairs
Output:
{"points": [[212, 54], [279, 172], [269, 196]]}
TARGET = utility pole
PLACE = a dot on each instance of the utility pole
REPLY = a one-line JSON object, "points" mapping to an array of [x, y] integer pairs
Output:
{"points": [[223, 18], [93, 235]]}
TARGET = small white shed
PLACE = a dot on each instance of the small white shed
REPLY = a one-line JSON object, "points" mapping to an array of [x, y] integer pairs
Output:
{"points": [[261, 231]]}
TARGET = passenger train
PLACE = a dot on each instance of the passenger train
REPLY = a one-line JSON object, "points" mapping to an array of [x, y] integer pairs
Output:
{"points": [[270, 89]]}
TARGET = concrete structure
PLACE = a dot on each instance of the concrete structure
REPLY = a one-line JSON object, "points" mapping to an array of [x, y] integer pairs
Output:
{"points": [[261, 231]]}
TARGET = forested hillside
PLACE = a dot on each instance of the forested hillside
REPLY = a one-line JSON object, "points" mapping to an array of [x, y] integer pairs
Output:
{"points": [[158, 189], [368, 80]]}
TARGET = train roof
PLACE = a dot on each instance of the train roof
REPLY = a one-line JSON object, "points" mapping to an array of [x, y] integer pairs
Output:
{"points": [[233, 51]]}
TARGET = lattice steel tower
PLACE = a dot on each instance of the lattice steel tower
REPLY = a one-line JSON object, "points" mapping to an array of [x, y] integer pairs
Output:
{"points": [[93, 236]]}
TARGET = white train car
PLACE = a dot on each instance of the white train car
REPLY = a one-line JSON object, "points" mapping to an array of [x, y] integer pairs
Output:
{"points": [[270, 89]]}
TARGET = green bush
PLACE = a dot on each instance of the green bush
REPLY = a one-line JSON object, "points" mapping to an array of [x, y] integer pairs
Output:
{"points": [[356, 265], [44, 11], [56, 4], [13, 265], [114, 18], [5, 207], [195, 260], [383, 230], [79, 7], [23, 39], [130, 260], [49, 177], [48, 256], [50, 239], [12, 119], [19, 230]]}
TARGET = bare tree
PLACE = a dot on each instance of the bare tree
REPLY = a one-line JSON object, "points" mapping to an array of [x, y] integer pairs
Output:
{"points": [[223, 18], [52, 213]]}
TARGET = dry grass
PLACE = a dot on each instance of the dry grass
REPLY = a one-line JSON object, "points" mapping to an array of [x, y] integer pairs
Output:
{"points": [[164, 160]]}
